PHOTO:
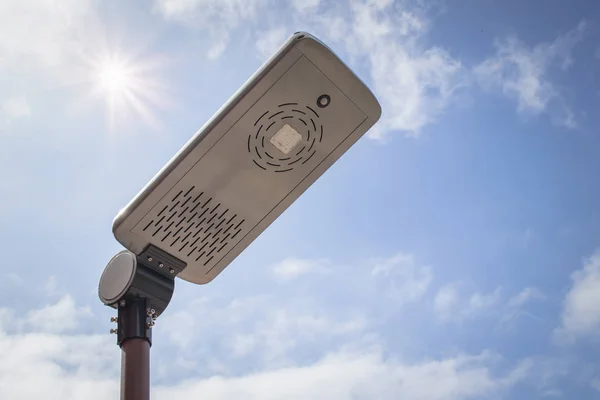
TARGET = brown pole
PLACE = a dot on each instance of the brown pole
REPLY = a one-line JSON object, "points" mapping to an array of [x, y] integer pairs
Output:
{"points": [[135, 369], [135, 338]]}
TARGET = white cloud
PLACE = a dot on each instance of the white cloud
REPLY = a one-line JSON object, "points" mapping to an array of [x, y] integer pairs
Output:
{"points": [[402, 278], [482, 301], [306, 5], [218, 17], [581, 306], [271, 330], [523, 73], [414, 82], [525, 296], [49, 54], [73, 367], [217, 49], [47, 45], [61, 366], [268, 42], [229, 12], [60, 317], [446, 301], [365, 375], [516, 305], [451, 304], [291, 268], [275, 338], [54, 37]]}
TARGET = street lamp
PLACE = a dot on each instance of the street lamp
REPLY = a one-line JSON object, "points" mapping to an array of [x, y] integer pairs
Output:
{"points": [[275, 137]]}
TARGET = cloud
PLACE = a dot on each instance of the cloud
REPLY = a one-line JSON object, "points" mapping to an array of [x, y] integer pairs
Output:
{"points": [[278, 338], [525, 296], [523, 73], [581, 306], [70, 366], [270, 41], [49, 54], [306, 5], [451, 304], [54, 37], [269, 329], [446, 300], [218, 17], [62, 366], [227, 12], [292, 268], [366, 375], [60, 317], [482, 301], [414, 82], [454, 305], [403, 279], [515, 307], [217, 49]]}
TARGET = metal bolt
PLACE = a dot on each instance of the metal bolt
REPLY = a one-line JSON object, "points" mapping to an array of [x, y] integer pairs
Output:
{"points": [[160, 265], [114, 319], [122, 303], [113, 331], [152, 311], [150, 259], [154, 316], [150, 324], [171, 270]]}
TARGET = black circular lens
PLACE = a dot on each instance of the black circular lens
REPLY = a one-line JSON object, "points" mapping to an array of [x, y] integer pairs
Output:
{"points": [[323, 101]]}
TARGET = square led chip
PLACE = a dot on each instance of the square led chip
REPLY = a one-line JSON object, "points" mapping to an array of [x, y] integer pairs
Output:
{"points": [[286, 139]]}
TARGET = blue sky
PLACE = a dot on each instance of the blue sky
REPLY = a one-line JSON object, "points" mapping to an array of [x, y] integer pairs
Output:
{"points": [[452, 253]]}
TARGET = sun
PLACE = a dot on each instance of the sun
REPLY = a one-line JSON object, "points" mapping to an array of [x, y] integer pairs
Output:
{"points": [[127, 86], [114, 77]]}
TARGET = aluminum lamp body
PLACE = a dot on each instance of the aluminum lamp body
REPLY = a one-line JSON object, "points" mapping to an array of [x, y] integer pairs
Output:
{"points": [[274, 138]]}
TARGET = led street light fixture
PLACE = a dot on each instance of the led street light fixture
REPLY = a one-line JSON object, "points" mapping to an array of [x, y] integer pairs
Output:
{"points": [[276, 136]]}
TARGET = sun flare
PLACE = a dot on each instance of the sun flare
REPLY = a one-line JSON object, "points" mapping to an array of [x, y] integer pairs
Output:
{"points": [[127, 86], [114, 77]]}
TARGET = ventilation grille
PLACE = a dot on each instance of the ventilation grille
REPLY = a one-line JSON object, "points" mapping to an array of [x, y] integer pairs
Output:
{"points": [[269, 158], [194, 226]]}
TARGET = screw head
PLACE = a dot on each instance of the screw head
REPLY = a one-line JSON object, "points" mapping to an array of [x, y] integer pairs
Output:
{"points": [[150, 259], [113, 331], [122, 303], [114, 319], [171, 271], [160, 265], [150, 324]]}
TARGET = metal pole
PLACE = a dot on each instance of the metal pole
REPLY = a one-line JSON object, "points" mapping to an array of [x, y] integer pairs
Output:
{"points": [[135, 369], [135, 336]]}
